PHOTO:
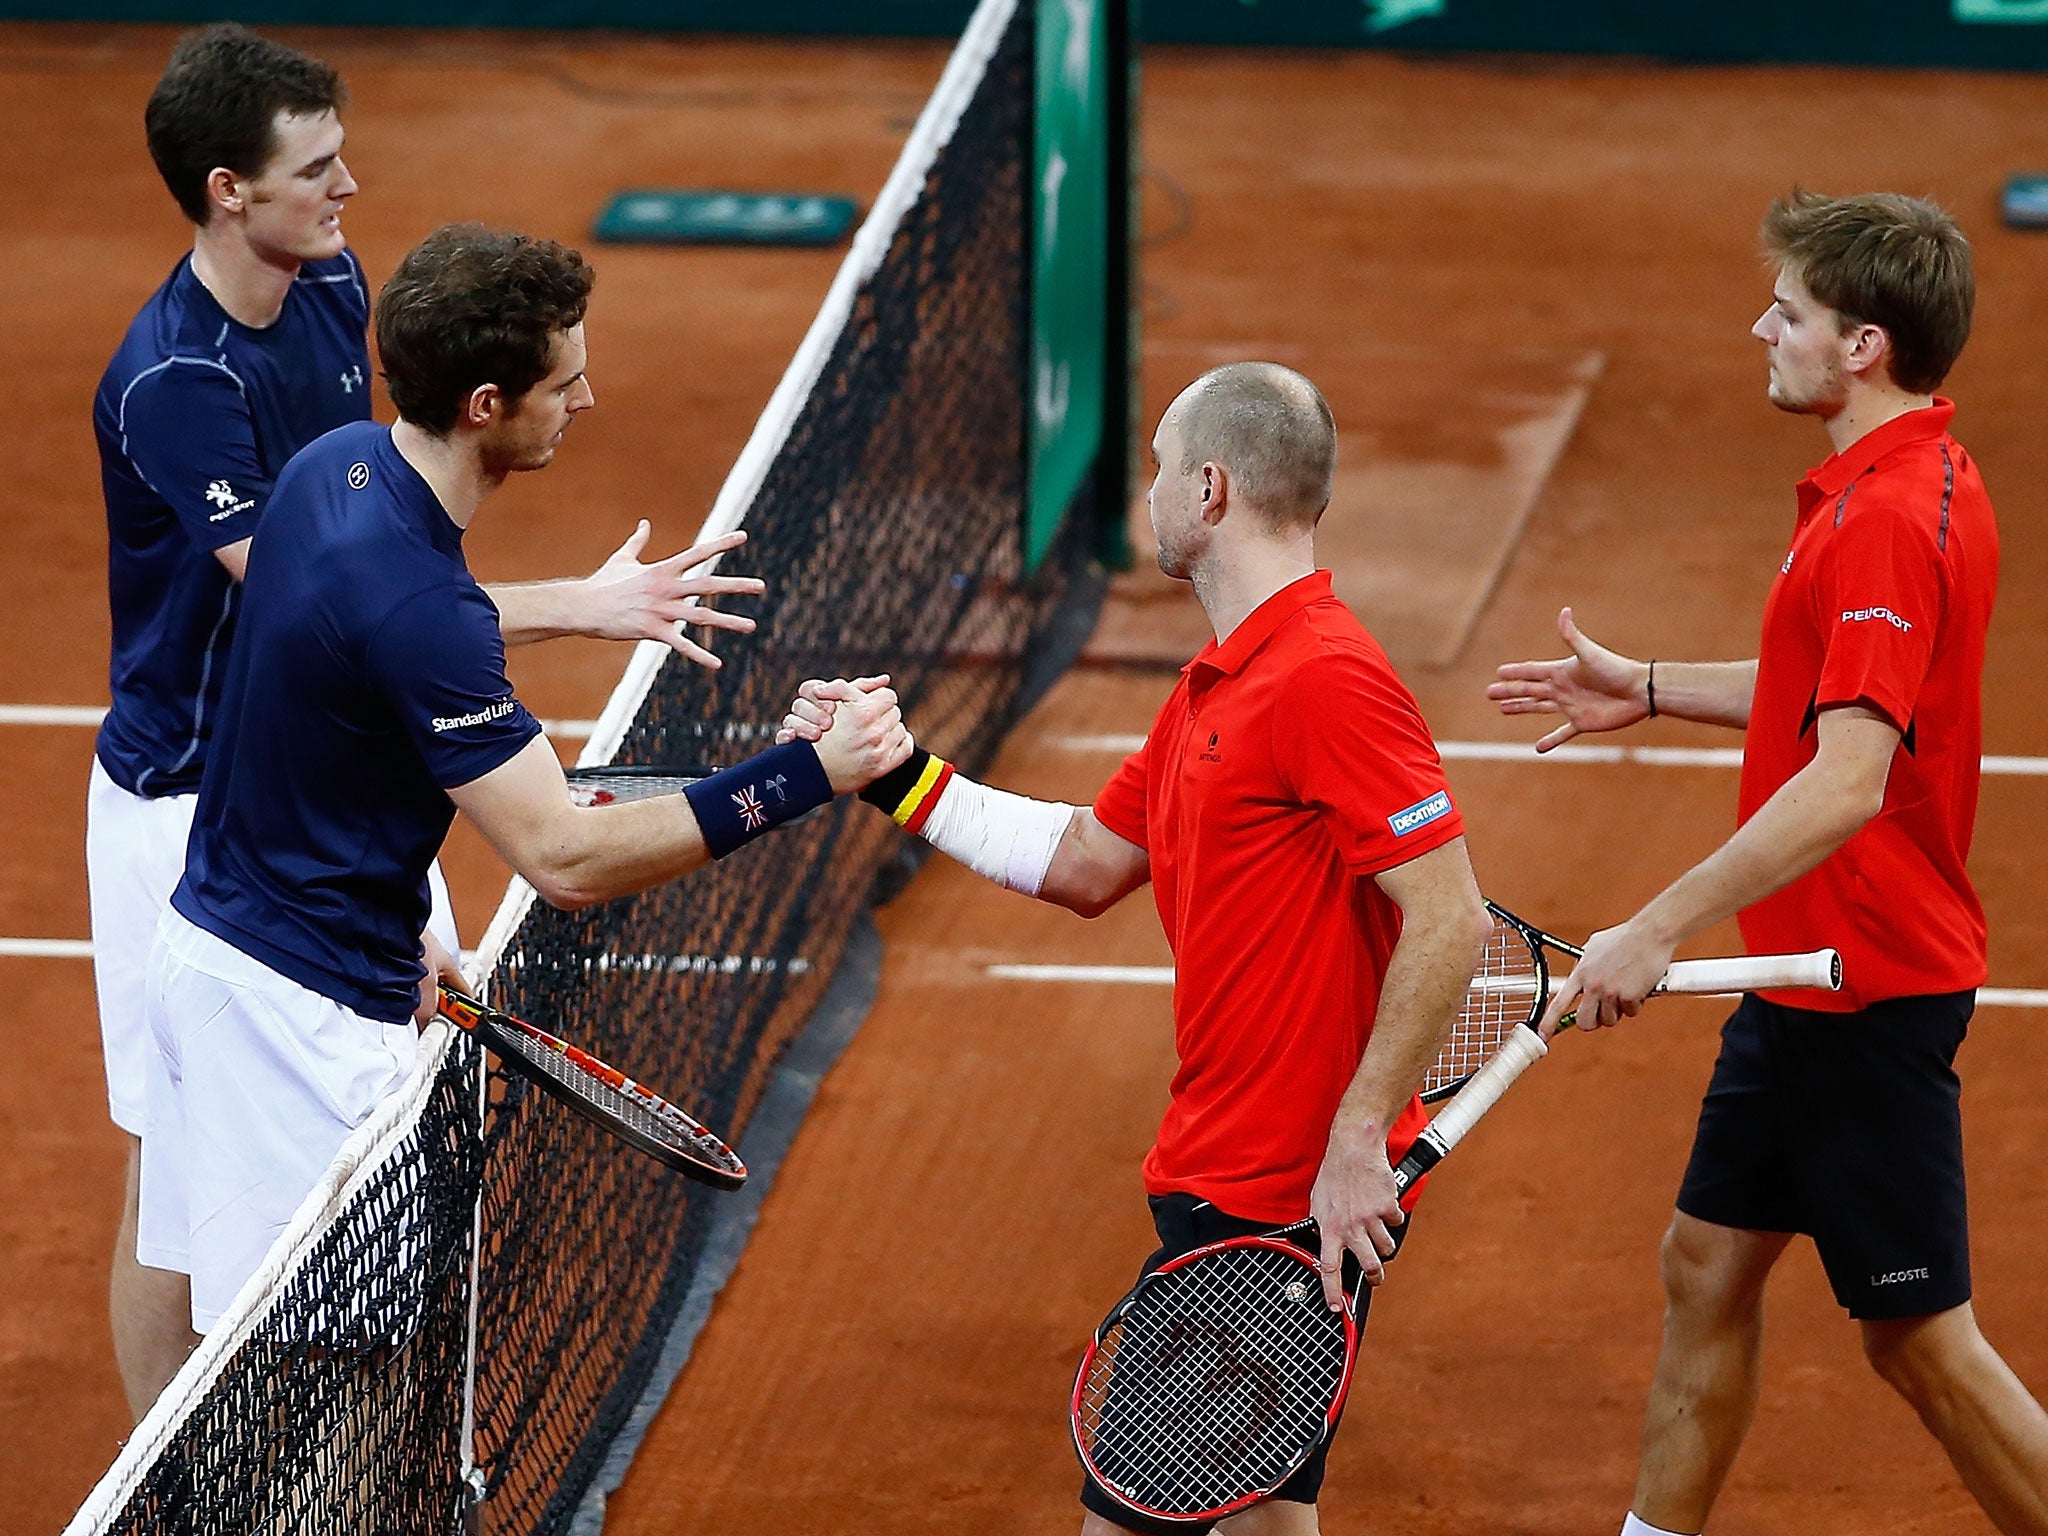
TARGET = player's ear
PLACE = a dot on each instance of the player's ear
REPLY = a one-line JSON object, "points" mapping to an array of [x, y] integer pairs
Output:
{"points": [[484, 404], [1870, 348], [224, 191], [1215, 491]]}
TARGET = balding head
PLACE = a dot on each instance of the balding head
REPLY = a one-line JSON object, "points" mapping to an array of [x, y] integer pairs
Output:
{"points": [[1270, 429]]}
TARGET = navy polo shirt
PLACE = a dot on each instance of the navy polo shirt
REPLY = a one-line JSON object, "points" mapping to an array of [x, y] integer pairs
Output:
{"points": [[196, 416], [368, 681]]}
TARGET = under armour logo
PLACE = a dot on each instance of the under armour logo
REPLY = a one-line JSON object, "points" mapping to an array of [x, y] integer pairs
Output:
{"points": [[351, 380], [780, 784]]}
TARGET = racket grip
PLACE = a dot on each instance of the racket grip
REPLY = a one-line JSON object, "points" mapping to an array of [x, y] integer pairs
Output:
{"points": [[1821, 968], [1516, 1055]]}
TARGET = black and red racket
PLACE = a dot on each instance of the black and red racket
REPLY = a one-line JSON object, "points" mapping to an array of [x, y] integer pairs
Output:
{"points": [[1210, 1384], [615, 782], [598, 1092]]}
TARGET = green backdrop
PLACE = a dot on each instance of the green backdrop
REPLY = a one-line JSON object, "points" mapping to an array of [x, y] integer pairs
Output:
{"points": [[2001, 34]]}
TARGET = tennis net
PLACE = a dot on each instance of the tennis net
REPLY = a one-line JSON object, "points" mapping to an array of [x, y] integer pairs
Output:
{"points": [[465, 1313]]}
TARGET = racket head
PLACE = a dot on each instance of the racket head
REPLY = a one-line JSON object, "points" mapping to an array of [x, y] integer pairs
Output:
{"points": [[600, 1093], [611, 783], [1213, 1380], [1508, 992]]}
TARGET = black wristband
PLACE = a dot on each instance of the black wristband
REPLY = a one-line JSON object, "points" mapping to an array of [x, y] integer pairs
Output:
{"points": [[1650, 687], [737, 804], [891, 789]]}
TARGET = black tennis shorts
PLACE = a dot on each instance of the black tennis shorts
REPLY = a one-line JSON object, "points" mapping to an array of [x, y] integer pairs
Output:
{"points": [[1184, 1224], [1847, 1127]]}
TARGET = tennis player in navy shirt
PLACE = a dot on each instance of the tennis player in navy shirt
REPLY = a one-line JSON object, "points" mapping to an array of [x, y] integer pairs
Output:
{"points": [[365, 702], [252, 348]]}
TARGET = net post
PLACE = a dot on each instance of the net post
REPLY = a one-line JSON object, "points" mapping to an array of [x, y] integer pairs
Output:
{"points": [[1116, 473]]}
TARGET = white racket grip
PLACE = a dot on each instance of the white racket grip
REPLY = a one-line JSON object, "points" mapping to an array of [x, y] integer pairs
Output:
{"points": [[1821, 968], [1516, 1055]]}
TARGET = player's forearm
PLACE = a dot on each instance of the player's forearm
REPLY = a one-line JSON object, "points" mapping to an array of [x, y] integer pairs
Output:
{"points": [[586, 854], [1812, 815], [541, 610], [1440, 948], [1712, 692], [1093, 869], [1046, 849]]}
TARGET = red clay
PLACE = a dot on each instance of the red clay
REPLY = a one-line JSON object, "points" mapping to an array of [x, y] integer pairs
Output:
{"points": [[963, 1202]]}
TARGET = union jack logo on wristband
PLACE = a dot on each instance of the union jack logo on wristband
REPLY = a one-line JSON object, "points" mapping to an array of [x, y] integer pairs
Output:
{"points": [[753, 815]]}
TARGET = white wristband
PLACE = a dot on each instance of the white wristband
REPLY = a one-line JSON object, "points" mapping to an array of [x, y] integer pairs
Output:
{"points": [[1008, 838]]}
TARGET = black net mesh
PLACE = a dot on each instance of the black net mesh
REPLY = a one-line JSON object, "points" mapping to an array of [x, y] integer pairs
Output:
{"points": [[888, 532], [341, 1408]]}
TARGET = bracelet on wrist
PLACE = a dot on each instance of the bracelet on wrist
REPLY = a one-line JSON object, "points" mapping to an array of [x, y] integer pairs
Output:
{"points": [[1650, 688], [907, 792]]}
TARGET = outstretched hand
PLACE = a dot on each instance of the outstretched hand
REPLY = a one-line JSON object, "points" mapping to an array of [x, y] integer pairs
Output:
{"points": [[1595, 689], [660, 599]]}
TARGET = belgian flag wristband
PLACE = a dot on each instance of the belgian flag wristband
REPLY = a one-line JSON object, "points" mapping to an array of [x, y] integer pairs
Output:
{"points": [[908, 791], [737, 804]]}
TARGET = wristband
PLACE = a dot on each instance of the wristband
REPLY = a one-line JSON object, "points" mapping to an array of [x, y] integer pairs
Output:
{"points": [[907, 792], [737, 804], [1650, 687]]}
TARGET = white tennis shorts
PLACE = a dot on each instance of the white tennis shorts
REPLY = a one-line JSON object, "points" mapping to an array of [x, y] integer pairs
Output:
{"points": [[134, 855], [254, 1084]]}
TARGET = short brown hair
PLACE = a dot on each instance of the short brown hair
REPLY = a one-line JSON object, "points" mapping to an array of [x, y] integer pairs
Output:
{"points": [[1887, 260], [217, 104], [470, 306], [1271, 429]]}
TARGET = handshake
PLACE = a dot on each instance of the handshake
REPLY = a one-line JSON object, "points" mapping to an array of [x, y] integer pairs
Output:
{"points": [[856, 726]]}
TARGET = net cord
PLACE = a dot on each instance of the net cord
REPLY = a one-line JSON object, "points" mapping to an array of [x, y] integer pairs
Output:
{"points": [[934, 129], [360, 1159]]}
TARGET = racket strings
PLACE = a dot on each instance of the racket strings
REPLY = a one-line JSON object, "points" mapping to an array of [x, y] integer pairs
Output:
{"points": [[1508, 991], [642, 1111], [1214, 1384]]}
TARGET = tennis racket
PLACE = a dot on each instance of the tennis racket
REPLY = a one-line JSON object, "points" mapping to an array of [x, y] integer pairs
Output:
{"points": [[1211, 1383], [1495, 1038], [614, 782], [598, 1092], [1223, 1370]]}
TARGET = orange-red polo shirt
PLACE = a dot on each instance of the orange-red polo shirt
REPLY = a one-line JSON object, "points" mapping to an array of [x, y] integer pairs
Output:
{"points": [[1883, 601], [1287, 768]]}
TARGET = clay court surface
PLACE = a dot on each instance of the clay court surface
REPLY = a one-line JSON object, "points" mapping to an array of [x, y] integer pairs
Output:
{"points": [[1526, 287]]}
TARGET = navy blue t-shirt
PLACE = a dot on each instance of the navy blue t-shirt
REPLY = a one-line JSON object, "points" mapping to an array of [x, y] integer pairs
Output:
{"points": [[196, 416], [368, 681]]}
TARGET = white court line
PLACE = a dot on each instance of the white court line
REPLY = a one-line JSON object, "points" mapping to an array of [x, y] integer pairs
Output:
{"points": [[1128, 975], [1137, 975], [1524, 752], [48, 949], [92, 714], [1162, 976], [52, 714]]}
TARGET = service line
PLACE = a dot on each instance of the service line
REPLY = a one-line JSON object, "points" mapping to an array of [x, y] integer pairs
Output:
{"points": [[1162, 976], [1571, 752]]}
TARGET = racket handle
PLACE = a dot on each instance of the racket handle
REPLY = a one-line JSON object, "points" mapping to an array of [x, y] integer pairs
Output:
{"points": [[1821, 968], [1517, 1053]]}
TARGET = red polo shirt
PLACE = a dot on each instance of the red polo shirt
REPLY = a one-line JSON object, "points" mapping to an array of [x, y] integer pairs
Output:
{"points": [[1287, 768], [1883, 601]]}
